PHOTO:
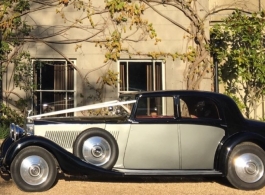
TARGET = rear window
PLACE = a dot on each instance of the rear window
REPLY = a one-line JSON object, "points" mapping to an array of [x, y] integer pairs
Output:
{"points": [[198, 107]]}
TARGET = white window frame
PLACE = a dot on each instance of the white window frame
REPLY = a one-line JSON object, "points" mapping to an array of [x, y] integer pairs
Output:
{"points": [[140, 60]]}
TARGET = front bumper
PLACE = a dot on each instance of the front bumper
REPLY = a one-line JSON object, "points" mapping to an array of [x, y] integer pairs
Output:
{"points": [[15, 134]]}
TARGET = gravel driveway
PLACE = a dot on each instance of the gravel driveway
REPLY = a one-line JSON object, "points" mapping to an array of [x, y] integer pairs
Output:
{"points": [[133, 186]]}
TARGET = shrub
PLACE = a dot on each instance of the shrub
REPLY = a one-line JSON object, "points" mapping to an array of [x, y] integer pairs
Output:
{"points": [[4, 131]]}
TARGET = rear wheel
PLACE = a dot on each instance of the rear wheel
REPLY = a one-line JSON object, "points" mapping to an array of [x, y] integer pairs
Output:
{"points": [[34, 169], [98, 147], [246, 166]]}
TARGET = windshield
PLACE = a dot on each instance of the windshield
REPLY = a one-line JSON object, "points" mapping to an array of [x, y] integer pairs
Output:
{"points": [[127, 97]]}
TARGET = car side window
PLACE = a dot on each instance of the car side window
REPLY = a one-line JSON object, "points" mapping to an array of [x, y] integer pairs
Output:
{"points": [[198, 107], [184, 109], [155, 107]]}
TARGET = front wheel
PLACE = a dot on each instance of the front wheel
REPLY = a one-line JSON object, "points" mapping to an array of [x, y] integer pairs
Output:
{"points": [[246, 166], [34, 169]]}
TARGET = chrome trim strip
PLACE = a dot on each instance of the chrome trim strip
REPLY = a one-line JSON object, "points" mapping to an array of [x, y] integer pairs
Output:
{"points": [[168, 172]]}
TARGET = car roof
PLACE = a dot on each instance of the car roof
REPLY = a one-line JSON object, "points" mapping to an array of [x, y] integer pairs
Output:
{"points": [[213, 95], [178, 92]]}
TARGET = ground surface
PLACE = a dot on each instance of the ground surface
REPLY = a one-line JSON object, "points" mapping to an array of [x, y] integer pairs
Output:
{"points": [[132, 186]]}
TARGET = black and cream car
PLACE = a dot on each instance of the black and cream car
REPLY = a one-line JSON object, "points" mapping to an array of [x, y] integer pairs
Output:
{"points": [[156, 133]]}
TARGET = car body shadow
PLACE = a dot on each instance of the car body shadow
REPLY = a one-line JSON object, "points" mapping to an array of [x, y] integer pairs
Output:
{"points": [[137, 179], [147, 179]]}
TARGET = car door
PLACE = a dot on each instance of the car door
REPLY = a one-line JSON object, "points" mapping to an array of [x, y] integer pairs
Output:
{"points": [[153, 137], [201, 128]]}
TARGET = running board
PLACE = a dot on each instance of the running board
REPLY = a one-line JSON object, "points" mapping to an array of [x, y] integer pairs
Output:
{"points": [[168, 172]]}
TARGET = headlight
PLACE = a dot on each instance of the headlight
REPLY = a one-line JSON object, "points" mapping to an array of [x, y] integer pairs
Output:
{"points": [[16, 132], [30, 128]]}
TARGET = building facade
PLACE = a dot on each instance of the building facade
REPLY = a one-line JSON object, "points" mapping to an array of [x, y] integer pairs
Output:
{"points": [[68, 65]]}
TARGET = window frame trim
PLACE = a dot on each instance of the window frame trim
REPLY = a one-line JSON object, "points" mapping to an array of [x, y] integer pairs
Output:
{"points": [[140, 60], [67, 91]]}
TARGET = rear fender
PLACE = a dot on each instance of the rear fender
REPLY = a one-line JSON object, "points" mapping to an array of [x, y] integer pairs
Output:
{"points": [[226, 147], [68, 163]]}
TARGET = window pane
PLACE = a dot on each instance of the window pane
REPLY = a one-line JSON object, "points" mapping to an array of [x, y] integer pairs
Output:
{"points": [[184, 109], [59, 76], [198, 107], [169, 106], [123, 76], [137, 76], [70, 77], [158, 74], [53, 79], [44, 75], [63, 101], [50, 101], [140, 76], [44, 102], [146, 106], [155, 107]]}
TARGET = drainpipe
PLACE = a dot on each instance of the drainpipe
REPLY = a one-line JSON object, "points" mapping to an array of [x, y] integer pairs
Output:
{"points": [[1, 75], [216, 81], [216, 61]]}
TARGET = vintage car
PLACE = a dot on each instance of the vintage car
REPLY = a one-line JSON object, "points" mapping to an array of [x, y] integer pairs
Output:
{"points": [[154, 133]]}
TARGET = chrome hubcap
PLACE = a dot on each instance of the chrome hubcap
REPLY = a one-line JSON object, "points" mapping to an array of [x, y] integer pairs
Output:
{"points": [[249, 167], [34, 170], [96, 150]]}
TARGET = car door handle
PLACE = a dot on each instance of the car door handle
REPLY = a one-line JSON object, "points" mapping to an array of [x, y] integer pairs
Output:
{"points": [[223, 125]]}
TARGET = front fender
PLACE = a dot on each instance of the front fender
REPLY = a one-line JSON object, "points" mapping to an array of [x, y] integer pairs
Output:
{"points": [[5, 145], [3, 149], [226, 147], [68, 163]]}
